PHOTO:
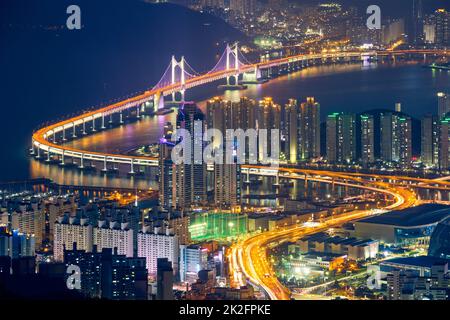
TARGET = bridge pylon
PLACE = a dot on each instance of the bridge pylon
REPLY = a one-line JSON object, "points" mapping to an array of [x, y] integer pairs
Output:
{"points": [[182, 78]]}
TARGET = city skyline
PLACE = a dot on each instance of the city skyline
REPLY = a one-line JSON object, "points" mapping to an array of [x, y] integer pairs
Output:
{"points": [[293, 151]]}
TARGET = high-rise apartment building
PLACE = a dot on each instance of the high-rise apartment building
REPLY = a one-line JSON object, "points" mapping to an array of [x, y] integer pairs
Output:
{"points": [[443, 148], [30, 219], [153, 244], [367, 139], [341, 138], [222, 116], [16, 244], [443, 104], [70, 230], [190, 176], [430, 140], [396, 138], [114, 235], [291, 131], [309, 130], [442, 27], [269, 118], [405, 142], [167, 175]]}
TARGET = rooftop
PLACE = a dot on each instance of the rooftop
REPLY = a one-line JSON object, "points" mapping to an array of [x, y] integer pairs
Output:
{"points": [[324, 237], [420, 261], [421, 215]]}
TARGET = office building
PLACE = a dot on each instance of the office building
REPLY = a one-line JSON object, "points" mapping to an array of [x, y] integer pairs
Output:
{"points": [[341, 138], [193, 258]]}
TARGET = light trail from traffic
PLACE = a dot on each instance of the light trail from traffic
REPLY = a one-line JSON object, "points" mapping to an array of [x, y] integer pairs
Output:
{"points": [[254, 263]]}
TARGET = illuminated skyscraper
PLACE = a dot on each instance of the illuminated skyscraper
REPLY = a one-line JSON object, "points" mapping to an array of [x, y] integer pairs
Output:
{"points": [[190, 176], [443, 151], [167, 183], [341, 138], [222, 115], [442, 27], [396, 138], [291, 131], [430, 140], [309, 130], [367, 139], [269, 118], [405, 141], [389, 137], [193, 258], [443, 104], [417, 22]]}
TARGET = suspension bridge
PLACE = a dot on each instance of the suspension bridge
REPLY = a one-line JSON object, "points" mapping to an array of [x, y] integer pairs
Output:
{"points": [[179, 76]]}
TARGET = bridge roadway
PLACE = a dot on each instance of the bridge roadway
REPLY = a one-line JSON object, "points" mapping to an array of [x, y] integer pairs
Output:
{"points": [[248, 258], [44, 140]]}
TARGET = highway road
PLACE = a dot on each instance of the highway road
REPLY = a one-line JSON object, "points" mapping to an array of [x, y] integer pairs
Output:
{"points": [[248, 257]]}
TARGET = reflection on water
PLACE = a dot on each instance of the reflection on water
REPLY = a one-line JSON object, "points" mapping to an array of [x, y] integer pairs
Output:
{"points": [[74, 176], [336, 87]]}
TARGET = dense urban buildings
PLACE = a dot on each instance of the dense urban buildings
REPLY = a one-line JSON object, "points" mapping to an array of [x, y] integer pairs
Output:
{"points": [[302, 169]]}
